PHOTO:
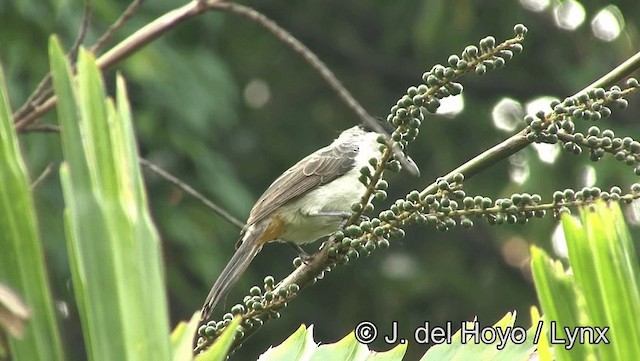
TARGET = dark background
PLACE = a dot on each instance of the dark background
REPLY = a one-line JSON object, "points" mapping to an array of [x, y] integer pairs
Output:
{"points": [[192, 102]]}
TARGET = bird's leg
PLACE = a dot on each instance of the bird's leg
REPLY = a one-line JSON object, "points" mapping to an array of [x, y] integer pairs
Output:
{"points": [[361, 219], [304, 256], [340, 214]]}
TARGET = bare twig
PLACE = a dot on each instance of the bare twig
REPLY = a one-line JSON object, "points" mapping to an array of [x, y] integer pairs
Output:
{"points": [[154, 168], [38, 95], [86, 20], [126, 15], [45, 173], [43, 91], [297, 46], [195, 194], [128, 46], [322, 69]]}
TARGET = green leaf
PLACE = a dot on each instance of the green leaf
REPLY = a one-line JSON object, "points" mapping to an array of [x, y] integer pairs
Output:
{"points": [[396, 353], [557, 296], [606, 270], [500, 349], [513, 350], [219, 350], [113, 246], [346, 349], [601, 291], [298, 346], [540, 338], [22, 264], [301, 346], [182, 338]]}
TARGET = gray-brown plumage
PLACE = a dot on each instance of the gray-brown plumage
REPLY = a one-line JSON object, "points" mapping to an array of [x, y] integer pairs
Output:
{"points": [[306, 202], [312, 171]]}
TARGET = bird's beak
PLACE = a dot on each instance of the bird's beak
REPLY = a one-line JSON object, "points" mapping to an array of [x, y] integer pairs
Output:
{"points": [[411, 166], [406, 161]]}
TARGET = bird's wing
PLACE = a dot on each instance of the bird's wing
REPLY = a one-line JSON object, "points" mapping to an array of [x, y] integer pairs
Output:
{"points": [[317, 169]]}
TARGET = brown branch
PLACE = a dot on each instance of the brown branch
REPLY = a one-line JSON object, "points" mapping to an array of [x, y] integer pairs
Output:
{"points": [[125, 48], [42, 93], [298, 47], [154, 168], [126, 15], [312, 59], [43, 89], [84, 26]]}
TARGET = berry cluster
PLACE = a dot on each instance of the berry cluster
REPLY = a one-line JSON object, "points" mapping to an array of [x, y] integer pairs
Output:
{"points": [[439, 82], [258, 307], [559, 125]]}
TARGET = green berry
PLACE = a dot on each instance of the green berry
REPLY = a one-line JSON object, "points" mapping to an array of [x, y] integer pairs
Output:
{"points": [[520, 29], [255, 291], [237, 309], [383, 244]]}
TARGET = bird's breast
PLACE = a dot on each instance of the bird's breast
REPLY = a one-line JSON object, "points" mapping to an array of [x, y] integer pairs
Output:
{"points": [[303, 222]]}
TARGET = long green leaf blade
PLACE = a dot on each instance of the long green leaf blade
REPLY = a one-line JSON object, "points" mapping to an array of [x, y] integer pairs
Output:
{"points": [[602, 258], [22, 264], [89, 254], [114, 246], [558, 296]]}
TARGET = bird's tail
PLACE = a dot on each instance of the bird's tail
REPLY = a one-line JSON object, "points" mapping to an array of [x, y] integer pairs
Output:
{"points": [[245, 253]]}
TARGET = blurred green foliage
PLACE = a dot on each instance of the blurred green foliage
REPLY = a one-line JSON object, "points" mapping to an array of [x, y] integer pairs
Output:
{"points": [[598, 292], [189, 98]]}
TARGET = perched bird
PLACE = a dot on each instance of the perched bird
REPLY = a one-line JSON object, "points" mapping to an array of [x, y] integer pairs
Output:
{"points": [[308, 201]]}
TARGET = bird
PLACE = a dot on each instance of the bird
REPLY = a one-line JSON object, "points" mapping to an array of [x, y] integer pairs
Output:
{"points": [[310, 200]]}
